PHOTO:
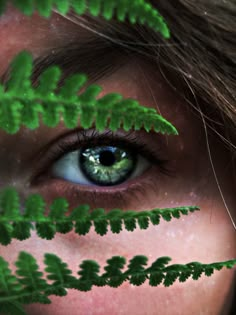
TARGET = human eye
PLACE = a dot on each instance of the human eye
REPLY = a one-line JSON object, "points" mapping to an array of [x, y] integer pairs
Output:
{"points": [[102, 163]]}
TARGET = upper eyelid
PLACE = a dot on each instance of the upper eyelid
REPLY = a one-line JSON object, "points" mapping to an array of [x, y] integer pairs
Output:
{"points": [[72, 137], [158, 140], [164, 166]]}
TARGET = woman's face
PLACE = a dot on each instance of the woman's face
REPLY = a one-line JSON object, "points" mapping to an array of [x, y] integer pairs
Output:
{"points": [[206, 236]]}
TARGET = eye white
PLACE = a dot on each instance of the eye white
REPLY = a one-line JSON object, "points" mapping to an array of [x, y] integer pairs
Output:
{"points": [[68, 168]]}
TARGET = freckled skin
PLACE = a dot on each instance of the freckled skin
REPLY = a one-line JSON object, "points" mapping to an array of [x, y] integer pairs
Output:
{"points": [[206, 236]]}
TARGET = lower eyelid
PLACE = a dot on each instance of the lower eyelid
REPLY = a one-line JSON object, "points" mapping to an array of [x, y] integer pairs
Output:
{"points": [[120, 198]]}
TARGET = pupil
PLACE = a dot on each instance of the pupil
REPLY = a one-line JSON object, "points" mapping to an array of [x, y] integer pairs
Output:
{"points": [[107, 158]]}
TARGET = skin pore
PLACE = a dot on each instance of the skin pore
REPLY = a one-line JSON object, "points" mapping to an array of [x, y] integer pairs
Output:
{"points": [[206, 236]]}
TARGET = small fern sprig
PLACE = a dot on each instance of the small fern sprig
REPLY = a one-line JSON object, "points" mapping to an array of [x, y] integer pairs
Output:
{"points": [[30, 287], [20, 103], [138, 11], [80, 218]]}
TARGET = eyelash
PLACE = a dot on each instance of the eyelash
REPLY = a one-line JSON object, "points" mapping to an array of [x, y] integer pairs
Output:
{"points": [[128, 141], [131, 143]]}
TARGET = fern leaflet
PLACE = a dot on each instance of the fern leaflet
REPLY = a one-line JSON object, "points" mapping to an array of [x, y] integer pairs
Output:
{"points": [[20, 103], [137, 11]]}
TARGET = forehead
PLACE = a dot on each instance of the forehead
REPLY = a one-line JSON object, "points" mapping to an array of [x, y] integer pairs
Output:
{"points": [[35, 34], [12, 15]]}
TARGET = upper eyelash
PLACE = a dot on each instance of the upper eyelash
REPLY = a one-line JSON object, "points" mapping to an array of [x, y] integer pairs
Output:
{"points": [[128, 141]]}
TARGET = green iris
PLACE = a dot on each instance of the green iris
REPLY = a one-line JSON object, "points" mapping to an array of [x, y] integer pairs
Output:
{"points": [[107, 165]]}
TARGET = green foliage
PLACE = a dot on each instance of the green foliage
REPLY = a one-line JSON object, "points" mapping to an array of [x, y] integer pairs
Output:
{"points": [[137, 11], [20, 103], [30, 287], [80, 218]]}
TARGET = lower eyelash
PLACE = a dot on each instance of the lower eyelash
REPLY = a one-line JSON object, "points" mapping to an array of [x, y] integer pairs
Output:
{"points": [[115, 199], [43, 173]]}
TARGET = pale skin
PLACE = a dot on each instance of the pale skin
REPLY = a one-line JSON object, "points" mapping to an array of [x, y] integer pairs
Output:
{"points": [[206, 236]]}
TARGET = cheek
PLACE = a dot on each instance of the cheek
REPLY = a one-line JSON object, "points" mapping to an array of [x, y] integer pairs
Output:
{"points": [[182, 243], [200, 236]]}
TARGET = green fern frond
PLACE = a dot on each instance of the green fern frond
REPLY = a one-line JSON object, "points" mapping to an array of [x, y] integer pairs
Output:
{"points": [[21, 104], [137, 11], [80, 218], [30, 287]]}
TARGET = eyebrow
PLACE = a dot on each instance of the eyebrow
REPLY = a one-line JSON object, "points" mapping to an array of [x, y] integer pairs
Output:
{"points": [[95, 56]]}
